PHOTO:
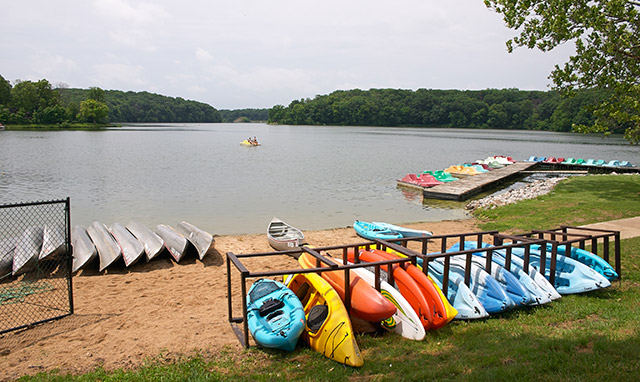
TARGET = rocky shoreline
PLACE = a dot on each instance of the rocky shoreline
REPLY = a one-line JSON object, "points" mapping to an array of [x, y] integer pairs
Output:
{"points": [[529, 191]]}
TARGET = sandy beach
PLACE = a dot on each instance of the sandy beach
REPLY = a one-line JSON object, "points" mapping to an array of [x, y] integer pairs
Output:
{"points": [[156, 310]]}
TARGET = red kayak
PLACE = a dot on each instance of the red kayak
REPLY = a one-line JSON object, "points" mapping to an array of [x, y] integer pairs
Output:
{"points": [[428, 288], [366, 302], [407, 286]]}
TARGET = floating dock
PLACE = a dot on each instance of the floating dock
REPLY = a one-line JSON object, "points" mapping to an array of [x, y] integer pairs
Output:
{"points": [[466, 187]]}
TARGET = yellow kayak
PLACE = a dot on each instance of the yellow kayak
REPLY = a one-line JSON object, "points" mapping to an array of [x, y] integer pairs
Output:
{"points": [[328, 330], [247, 143], [449, 309]]}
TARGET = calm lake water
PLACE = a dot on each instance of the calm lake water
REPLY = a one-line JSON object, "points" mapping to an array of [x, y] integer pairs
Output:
{"points": [[311, 177]]}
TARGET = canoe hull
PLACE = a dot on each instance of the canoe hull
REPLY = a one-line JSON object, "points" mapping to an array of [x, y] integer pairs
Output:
{"points": [[282, 236], [84, 252], [108, 250], [175, 243], [151, 242], [200, 239], [132, 249]]}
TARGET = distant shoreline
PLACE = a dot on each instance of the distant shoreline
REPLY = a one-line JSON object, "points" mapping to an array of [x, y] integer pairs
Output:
{"points": [[73, 126]]}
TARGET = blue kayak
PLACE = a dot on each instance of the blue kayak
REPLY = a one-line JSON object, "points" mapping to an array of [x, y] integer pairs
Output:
{"points": [[275, 315], [373, 231], [538, 293], [509, 282], [571, 276], [589, 259], [493, 298], [404, 231]]}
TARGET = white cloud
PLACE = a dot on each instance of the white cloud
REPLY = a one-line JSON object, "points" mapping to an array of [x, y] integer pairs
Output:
{"points": [[118, 76], [203, 56]]}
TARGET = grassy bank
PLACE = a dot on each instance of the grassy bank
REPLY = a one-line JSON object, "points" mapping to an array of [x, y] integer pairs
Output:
{"points": [[67, 126], [595, 336], [575, 201]]}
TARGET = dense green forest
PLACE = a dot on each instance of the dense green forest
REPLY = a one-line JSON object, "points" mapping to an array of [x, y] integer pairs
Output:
{"points": [[146, 107], [38, 103], [244, 115], [485, 109]]}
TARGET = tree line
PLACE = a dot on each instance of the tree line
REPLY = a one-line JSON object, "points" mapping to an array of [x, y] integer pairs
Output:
{"points": [[484, 109], [39, 103], [244, 115]]}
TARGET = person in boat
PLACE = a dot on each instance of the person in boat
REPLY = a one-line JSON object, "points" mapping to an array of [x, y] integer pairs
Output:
{"points": [[255, 141]]}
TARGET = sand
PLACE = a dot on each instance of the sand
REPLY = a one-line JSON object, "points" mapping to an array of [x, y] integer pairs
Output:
{"points": [[158, 310]]}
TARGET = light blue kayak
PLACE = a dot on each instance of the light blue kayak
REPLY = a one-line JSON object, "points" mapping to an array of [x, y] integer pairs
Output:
{"points": [[459, 295], [491, 295], [538, 287], [509, 282], [405, 232], [571, 276], [373, 231], [589, 259], [275, 315]]}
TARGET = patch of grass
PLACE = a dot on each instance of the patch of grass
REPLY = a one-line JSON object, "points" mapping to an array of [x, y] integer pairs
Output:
{"points": [[575, 201]]}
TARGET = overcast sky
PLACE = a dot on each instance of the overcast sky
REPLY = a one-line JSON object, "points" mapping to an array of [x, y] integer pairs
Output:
{"points": [[259, 53]]}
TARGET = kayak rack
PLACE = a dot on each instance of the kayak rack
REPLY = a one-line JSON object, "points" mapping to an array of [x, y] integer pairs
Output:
{"points": [[581, 235], [400, 245]]}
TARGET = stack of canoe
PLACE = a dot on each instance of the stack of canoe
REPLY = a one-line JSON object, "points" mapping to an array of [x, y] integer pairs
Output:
{"points": [[133, 242], [36, 244]]}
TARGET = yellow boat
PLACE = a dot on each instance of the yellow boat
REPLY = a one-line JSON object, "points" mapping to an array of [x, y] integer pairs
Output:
{"points": [[247, 143], [462, 170], [328, 330], [449, 309]]}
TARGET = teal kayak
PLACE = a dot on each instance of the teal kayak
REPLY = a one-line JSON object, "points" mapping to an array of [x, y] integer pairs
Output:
{"points": [[374, 231]]}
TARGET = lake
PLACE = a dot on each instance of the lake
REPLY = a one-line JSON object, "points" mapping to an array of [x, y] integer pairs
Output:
{"points": [[313, 177]]}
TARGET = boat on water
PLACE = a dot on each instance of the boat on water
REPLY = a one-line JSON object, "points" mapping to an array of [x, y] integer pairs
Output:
{"points": [[132, 249], [275, 315], [366, 302], [108, 249], [200, 239], [404, 231], [373, 231], [424, 180], [328, 330], [282, 236], [53, 242], [27, 250], [173, 241], [151, 242], [441, 176], [250, 144], [84, 252]]}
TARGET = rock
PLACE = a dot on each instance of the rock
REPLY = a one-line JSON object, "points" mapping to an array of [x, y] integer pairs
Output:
{"points": [[529, 191]]}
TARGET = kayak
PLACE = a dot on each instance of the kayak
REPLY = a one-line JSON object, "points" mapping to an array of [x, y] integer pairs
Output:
{"points": [[538, 295], [328, 330], [407, 286], [247, 143], [274, 314], [373, 231], [366, 302], [587, 258], [405, 321], [405, 232], [459, 296]]}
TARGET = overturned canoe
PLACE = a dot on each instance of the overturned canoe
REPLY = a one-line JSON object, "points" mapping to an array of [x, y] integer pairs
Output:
{"points": [[83, 249], [152, 243], [200, 239], [7, 247], [27, 250], [108, 250], [173, 241], [132, 249], [53, 242], [282, 236]]}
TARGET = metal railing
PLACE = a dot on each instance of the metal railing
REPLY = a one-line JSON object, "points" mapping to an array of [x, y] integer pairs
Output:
{"points": [[35, 263]]}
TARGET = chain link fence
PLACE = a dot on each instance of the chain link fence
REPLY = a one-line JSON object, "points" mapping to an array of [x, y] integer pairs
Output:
{"points": [[35, 263]]}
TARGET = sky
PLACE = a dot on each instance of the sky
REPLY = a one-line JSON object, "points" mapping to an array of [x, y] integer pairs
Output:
{"points": [[260, 53]]}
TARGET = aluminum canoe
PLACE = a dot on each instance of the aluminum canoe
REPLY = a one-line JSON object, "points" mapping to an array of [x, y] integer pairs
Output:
{"points": [[132, 249], [152, 243], [7, 248], [282, 236], [27, 250], [108, 250], [173, 241], [200, 239], [53, 242], [84, 252]]}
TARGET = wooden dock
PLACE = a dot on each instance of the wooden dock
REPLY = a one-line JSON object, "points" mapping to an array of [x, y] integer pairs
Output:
{"points": [[466, 187]]}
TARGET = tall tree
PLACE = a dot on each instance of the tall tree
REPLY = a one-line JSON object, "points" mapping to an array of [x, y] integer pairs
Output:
{"points": [[5, 91], [606, 34]]}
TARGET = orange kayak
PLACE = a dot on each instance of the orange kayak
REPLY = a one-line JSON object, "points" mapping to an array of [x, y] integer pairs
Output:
{"points": [[366, 302], [407, 286], [428, 288]]}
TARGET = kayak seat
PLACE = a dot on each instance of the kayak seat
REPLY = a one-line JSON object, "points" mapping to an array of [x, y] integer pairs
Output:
{"points": [[317, 316], [269, 306]]}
